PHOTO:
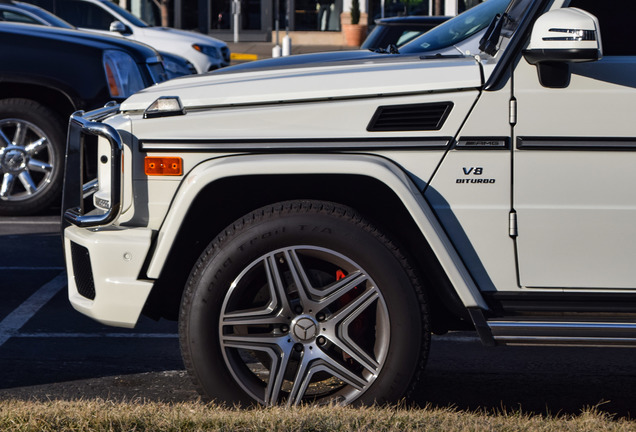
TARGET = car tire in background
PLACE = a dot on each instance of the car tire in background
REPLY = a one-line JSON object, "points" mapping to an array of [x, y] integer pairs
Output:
{"points": [[32, 140], [303, 302]]}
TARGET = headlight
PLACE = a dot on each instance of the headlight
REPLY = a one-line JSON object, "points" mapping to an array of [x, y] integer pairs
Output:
{"points": [[157, 71], [208, 50], [122, 74], [176, 67]]}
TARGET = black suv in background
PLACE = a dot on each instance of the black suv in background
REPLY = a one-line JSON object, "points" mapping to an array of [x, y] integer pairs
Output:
{"points": [[46, 74], [16, 11]]}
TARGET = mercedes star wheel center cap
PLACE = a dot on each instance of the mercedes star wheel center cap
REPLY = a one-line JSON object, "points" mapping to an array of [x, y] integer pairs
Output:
{"points": [[304, 329]]}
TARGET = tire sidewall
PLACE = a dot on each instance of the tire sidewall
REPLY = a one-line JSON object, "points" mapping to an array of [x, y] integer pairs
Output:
{"points": [[210, 283]]}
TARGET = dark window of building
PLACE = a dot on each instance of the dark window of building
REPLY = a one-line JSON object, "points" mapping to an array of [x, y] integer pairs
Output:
{"points": [[190, 14], [221, 14], [221, 17], [313, 15], [250, 14]]}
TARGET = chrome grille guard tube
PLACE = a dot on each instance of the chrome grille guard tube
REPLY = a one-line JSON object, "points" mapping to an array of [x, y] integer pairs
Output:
{"points": [[80, 125]]}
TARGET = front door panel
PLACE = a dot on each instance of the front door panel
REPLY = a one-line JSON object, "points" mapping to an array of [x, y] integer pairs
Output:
{"points": [[575, 177]]}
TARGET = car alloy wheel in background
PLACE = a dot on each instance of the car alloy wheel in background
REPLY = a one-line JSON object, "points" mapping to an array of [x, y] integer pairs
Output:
{"points": [[30, 157]]}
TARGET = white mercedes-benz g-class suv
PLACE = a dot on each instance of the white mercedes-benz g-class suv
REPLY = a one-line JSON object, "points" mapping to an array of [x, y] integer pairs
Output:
{"points": [[311, 225]]}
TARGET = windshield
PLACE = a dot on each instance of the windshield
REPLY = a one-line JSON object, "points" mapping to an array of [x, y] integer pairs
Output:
{"points": [[459, 28], [52, 19], [123, 12]]}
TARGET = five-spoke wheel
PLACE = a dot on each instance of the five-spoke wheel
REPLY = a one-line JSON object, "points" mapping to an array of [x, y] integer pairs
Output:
{"points": [[303, 302], [307, 321]]}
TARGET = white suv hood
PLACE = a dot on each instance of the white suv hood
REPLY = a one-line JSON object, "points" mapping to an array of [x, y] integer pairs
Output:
{"points": [[157, 35], [390, 76]]}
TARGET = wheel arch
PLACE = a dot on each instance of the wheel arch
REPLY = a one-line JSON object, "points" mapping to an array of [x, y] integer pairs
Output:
{"points": [[55, 99], [403, 214]]}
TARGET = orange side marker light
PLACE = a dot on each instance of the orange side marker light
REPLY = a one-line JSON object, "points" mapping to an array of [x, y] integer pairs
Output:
{"points": [[163, 166]]}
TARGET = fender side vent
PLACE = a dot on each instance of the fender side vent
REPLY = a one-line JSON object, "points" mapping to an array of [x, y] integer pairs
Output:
{"points": [[413, 117]]}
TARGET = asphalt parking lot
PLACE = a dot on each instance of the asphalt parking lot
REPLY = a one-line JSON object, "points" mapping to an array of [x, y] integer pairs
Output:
{"points": [[50, 352], [47, 350]]}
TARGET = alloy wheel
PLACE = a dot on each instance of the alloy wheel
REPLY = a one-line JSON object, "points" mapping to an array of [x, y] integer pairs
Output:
{"points": [[26, 160], [304, 323]]}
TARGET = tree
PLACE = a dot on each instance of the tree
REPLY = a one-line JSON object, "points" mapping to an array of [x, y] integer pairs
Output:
{"points": [[164, 10], [438, 7], [355, 11]]}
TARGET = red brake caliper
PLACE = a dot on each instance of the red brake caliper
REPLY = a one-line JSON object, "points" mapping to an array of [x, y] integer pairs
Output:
{"points": [[339, 274]]}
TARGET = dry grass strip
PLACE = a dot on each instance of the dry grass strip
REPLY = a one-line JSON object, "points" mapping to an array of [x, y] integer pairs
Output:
{"points": [[100, 415]]}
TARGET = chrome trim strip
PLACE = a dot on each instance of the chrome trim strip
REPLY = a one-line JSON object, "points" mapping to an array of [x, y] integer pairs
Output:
{"points": [[574, 35], [268, 103], [580, 333], [576, 143], [570, 342], [87, 123], [567, 325], [296, 144], [564, 339]]}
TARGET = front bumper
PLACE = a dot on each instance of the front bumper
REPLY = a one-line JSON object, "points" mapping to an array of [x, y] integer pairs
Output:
{"points": [[205, 63], [103, 262], [103, 270]]}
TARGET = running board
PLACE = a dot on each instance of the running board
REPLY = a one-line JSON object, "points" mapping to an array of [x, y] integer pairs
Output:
{"points": [[562, 332]]}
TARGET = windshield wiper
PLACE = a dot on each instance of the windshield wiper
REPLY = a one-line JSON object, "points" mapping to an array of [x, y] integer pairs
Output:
{"points": [[488, 43], [441, 56], [391, 49]]}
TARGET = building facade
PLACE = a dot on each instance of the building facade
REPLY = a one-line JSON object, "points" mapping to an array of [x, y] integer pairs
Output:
{"points": [[319, 21]]}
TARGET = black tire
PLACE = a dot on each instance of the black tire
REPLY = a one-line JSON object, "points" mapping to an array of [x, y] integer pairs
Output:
{"points": [[32, 162], [236, 328]]}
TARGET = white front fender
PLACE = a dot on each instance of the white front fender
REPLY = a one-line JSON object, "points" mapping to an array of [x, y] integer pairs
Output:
{"points": [[371, 166]]}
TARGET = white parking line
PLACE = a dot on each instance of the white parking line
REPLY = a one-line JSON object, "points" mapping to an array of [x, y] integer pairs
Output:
{"points": [[29, 222], [23, 313], [98, 335], [17, 268]]}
